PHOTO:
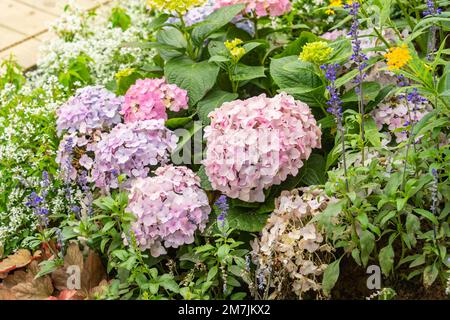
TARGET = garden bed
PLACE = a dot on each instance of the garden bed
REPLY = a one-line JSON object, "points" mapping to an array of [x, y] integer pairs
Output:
{"points": [[230, 149]]}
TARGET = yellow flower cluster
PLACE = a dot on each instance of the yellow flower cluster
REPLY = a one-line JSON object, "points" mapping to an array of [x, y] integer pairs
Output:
{"points": [[316, 52], [236, 51], [336, 4], [398, 57], [179, 6]]}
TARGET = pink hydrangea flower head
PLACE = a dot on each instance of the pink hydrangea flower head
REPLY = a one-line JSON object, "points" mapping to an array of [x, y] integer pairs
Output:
{"points": [[89, 109], [255, 143], [262, 8], [170, 207], [148, 99], [130, 149]]}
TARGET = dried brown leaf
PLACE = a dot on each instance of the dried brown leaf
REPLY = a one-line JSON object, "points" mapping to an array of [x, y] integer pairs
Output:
{"points": [[38, 289], [6, 294], [93, 272], [74, 257], [19, 259]]}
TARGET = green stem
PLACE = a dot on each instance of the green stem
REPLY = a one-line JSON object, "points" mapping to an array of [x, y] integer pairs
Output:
{"points": [[406, 15], [187, 36], [379, 34]]}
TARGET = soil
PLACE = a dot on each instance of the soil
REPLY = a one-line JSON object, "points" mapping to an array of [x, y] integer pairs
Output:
{"points": [[352, 285]]}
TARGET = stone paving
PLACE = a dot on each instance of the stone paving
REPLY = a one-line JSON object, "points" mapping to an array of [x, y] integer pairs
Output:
{"points": [[24, 25]]}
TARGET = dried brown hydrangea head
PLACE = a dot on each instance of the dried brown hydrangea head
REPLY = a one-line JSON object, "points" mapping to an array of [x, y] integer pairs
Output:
{"points": [[292, 253]]}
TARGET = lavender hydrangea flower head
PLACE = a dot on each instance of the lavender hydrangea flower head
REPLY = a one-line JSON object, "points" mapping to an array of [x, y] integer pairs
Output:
{"points": [[148, 99], [91, 108], [170, 207], [196, 14], [256, 143], [130, 149], [399, 112]]}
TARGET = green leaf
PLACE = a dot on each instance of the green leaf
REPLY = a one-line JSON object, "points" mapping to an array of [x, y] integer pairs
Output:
{"points": [[298, 78], [356, 254], [330, 276], [370, 92], [172, 37], [327, 122], [213, 100], [332, 211], [214, 22], [244, 72], [47, 266], [289, 72], [372, 133], [313, 171], [428, 215], [222, 252], [430, 274], [196, 78], [219, 58], [204, 248], [176, 123], [168, 283], [412, 226], [158, 22], [367, 244], [108, 226], [212, 273], [386, 257], [120, 19], [418, 261], [342, 50], [238, 296], [250, 46], [245, 219], [204, 181], [295, 47]]}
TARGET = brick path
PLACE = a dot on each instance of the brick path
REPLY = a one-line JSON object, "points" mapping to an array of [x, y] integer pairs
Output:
{"points": [[24, 23]]}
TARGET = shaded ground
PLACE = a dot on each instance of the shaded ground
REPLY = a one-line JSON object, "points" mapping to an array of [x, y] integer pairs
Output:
{"points": [[352, 285]]}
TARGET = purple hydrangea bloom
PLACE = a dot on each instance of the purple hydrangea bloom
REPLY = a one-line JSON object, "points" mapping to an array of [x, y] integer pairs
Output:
{"points": [[196, 14], [130, 149], [199, 14], [89, 109]]}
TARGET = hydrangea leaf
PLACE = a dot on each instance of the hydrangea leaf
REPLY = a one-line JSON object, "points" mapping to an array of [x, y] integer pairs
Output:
{"points": [[245, 219], [212, 101], [215, 21], [196, 78]]}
